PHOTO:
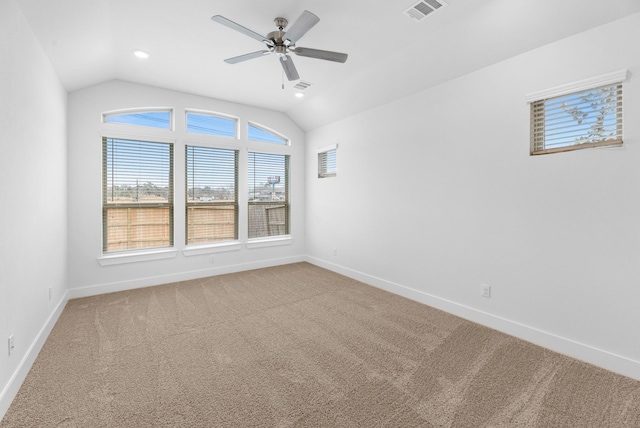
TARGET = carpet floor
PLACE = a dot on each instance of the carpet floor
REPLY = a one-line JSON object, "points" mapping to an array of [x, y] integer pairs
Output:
{"points": [[300, 346]]}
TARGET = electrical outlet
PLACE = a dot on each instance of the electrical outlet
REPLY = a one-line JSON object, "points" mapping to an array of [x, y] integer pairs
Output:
{"points": [[12, 344], [50, 293], [485, 290], [335, 251], [212, 259]]}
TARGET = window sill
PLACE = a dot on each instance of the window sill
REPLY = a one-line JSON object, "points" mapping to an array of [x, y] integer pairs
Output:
{"points": [[118, 259], [197, 250], [269, 242]]}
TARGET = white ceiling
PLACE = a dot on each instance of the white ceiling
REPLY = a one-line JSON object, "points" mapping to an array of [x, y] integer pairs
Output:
{"points": [[390, 55]]}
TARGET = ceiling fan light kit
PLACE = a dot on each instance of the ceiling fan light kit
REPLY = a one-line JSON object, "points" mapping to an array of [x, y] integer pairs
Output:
{"points": [[282, 43]]}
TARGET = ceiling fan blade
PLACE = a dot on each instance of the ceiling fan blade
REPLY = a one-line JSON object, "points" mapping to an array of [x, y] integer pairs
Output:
{"points": [[289, 68], [304, 23], [245, 57], [320, 54], [234, 26]]}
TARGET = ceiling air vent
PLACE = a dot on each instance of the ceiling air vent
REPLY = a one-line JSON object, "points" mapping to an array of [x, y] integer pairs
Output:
{"points": [[423, 8], [301, 85]]}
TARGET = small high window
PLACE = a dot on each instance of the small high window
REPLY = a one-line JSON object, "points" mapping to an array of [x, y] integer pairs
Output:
{"points": [[211, 124], [257, 133], [327, 162], [577, 116], [154, 119]]}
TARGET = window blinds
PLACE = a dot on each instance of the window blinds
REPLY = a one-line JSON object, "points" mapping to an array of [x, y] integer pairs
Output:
{"points": [[327, 164], [587, 118], [268, 182], [137, 194], [211, 194]]}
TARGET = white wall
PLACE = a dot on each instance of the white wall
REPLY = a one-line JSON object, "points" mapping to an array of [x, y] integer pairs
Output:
{"points": [[33, 190], [436, 193], [86, 106]]}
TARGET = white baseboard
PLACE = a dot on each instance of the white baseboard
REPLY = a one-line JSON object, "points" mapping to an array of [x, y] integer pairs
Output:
{"points": [[598, 357], [595, 356], [94, 290], [11, 388]]}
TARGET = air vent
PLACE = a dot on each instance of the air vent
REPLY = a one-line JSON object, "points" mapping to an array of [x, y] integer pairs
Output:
{"points": [[301, 85], [424, 8]]}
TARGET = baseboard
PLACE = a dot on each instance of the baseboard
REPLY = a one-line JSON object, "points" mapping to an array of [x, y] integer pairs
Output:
{"points": [[598, 357], [11, 388], [94, 290], [592, 355]]}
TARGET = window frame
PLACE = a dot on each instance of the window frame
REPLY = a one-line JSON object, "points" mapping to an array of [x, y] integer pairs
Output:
{"points": [[179, 138], [140, 110], [236, 120], [286, 143], [170, 204], [286, 203], [212, 203], [538, 122], [323, 154]]}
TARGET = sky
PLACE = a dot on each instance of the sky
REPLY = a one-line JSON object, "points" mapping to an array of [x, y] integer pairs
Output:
{"points": [[206, 167]]}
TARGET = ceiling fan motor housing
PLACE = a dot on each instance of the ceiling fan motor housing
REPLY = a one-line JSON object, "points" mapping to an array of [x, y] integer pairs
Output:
{"points": [[280, 46], [277, 43]]}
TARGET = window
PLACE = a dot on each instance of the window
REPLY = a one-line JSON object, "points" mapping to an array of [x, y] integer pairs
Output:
{"points": [[257, 133], [137, 187], [211, 195], [210, 124], [589, 115], [153, 119], [327, 162], [268, 194]]}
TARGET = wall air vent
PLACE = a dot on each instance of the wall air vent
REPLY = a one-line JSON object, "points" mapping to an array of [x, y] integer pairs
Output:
{"points": [[302, 85], [424, 8]]}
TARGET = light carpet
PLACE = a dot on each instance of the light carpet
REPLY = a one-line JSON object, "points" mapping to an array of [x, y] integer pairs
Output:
{"points": [[300, 346]]}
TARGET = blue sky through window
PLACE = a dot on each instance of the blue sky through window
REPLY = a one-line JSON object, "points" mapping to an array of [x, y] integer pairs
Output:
{"points": [[267, 174], [259, 134], [211, 173], [331, 161], [211, 125], [583, 117], [153, 119], [137, 171]]}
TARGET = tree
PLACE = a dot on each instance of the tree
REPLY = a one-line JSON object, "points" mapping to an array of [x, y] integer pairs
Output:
{"points": [[596, 111]]}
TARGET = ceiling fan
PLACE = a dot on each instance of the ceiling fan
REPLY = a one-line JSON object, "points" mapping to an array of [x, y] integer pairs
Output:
{"points": [[282, 43]]}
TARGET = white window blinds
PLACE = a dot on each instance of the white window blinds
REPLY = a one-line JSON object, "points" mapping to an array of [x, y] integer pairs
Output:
{"points": [[587, 118], [268, 179], [327, 166], [137, 194], [211, 195]]}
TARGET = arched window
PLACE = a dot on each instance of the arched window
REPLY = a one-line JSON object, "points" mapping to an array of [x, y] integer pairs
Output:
{"points": [[211, 124], [151, 118], [259, 133]]}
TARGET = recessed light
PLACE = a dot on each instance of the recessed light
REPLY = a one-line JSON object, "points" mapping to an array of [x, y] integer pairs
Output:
{"points": [[299, 94], [141, 54]]}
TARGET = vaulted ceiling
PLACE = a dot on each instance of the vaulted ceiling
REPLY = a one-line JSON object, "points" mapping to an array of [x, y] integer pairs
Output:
{"points": [[390, 55]]}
